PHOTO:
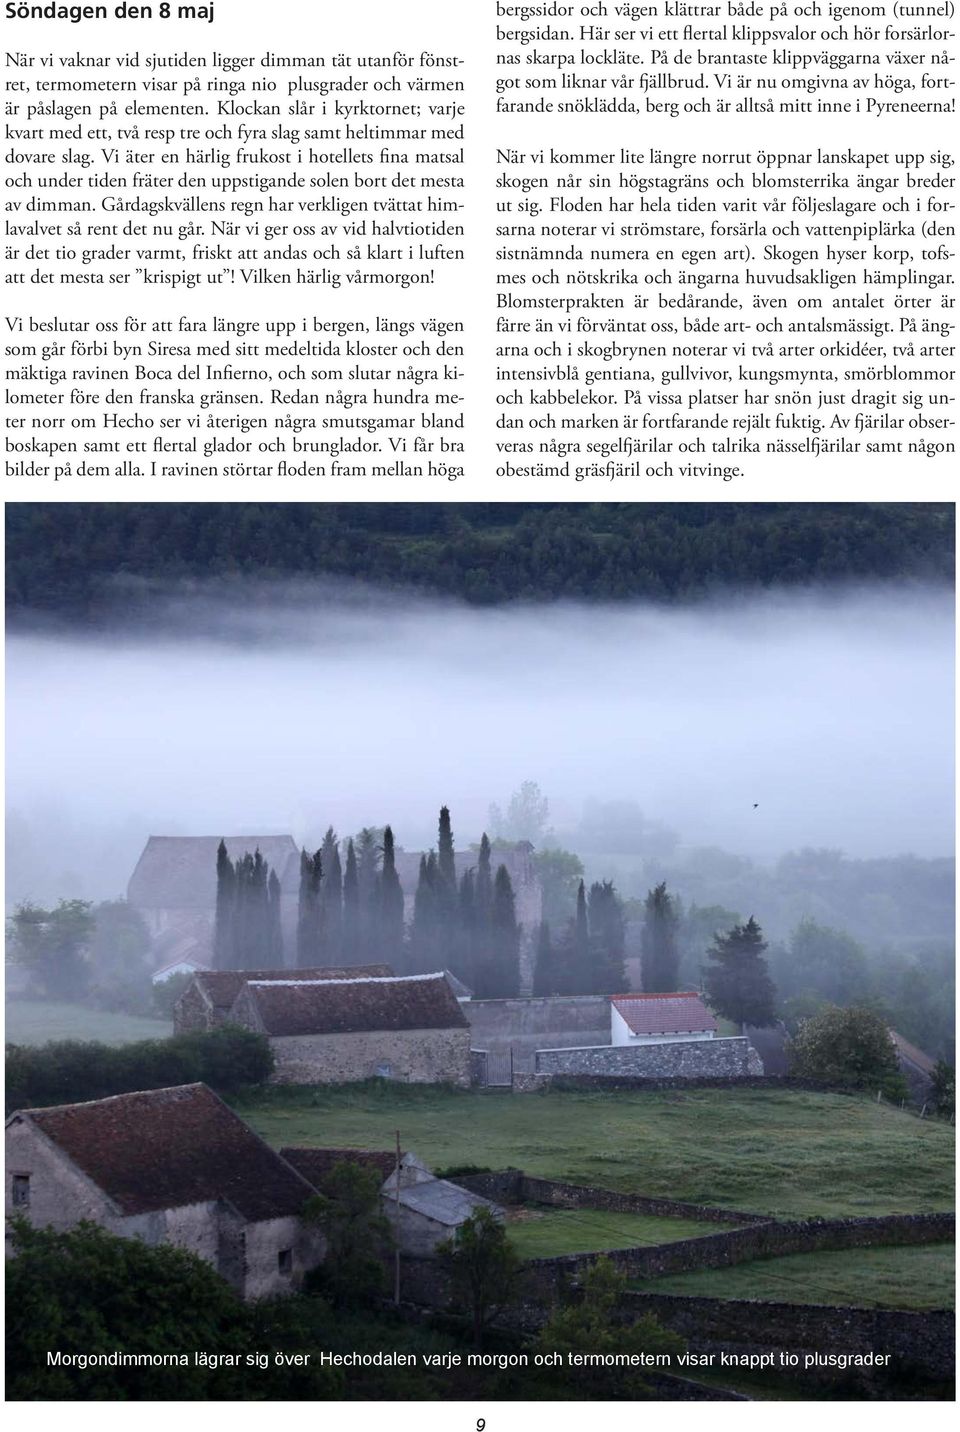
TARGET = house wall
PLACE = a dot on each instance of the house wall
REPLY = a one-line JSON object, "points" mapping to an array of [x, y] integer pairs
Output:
{"points": [[412, 1056], [60, 1195], [621, 1033], [192, 1011], [263, 1243], [710, 1058], [416, 1234]]}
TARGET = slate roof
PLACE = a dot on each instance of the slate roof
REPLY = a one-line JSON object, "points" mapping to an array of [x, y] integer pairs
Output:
{"points": [[179, 872], [166, 1148], [912, 1055], [444, 1202], [223, 986], [349, 1006], [680, 1012], [315, 1164]]}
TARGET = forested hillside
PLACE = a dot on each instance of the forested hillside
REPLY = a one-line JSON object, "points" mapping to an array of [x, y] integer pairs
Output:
{"points": [[72, 560]]}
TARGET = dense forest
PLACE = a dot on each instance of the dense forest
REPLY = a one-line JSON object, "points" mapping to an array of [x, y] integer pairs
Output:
{"points": [[76, 561]]}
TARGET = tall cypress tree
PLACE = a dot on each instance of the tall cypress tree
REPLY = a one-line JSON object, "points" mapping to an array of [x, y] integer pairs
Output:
{"points": [[309, 912], [581, 961], [545, 972], [465, 956], [331, 900], [351, 908], [502, 969], [484, 885], [391, 906], [446, 888], [368, 896], [659, 951], [274, 925], [224, 951], [737, 981], [608, 938]]}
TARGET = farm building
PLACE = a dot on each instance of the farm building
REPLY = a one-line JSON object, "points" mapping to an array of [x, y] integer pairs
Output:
{"points": [[428, 1209], [209, 998], [167, 1166], [409, 1028], [659, 1018], [174, 885]]}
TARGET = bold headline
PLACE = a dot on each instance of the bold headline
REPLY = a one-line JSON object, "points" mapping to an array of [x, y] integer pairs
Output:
{"points": [[76, 13]]}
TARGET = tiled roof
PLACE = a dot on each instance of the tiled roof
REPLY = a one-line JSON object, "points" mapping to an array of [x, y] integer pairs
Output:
{"points": [[679, 1012], [223, 986], [316, 1164], [179, 872], [166, 1148], [354, 1005]]}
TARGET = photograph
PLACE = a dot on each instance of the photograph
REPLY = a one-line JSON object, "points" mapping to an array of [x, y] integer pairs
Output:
{"points": [[480, 952]]}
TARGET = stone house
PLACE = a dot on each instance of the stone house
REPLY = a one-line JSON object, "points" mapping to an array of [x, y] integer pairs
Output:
{"points": [[408, 1027], [173, 1166], [659, 1018], [427, 1211], [174, 884], [208, 999]]}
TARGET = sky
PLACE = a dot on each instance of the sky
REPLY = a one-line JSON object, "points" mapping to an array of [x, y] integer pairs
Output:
{"points": [[761, 725]]}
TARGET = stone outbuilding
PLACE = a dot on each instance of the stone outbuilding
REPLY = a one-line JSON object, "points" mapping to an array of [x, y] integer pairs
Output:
{"points": [[208, 999], [337, 1031], [428, 1210], [172, 1166]]}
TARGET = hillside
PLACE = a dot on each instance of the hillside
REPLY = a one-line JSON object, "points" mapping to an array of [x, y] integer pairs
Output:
{"points": [[74, 561]]}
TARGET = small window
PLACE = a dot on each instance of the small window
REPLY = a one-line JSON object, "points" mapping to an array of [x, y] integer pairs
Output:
{"points": [[384, 1071], [285, 1260], [21, 1190]]}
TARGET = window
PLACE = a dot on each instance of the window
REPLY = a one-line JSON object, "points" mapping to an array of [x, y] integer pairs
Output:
{"points": [[21, 1190], [285, 1260]]}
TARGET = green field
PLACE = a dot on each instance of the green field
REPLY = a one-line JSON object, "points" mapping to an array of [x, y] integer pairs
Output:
{"points": [[30, 1021], [920, 1277], [783, 1152], [549, 1232]]}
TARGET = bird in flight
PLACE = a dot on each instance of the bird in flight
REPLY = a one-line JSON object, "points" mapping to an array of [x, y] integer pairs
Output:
{"points": [[756, 805]]}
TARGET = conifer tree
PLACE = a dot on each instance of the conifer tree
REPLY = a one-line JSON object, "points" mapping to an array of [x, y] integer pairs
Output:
{"points": [[446, 888], [581, 979], [224, 953], [309, 912], [391, 906], [331, 900], [274, 925], [545, 970], [608, 938], [351, 908], [660, 954], [423, 931], [498, 974], [484, 885], [466, 929], [368, 896], [736, 980]]}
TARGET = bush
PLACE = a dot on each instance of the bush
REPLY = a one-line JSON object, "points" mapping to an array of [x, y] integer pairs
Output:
{"points": [[73, 1071], [847, 1046]]}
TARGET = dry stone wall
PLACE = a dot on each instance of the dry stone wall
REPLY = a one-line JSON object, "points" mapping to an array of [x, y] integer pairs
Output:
{"points": [[685, 1059]]}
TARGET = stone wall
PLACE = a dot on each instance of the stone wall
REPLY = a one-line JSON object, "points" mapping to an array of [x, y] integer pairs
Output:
{"points": [[512, 1186], [526, 1025], [702, 1058], [412, 1056], [921, 1342]]}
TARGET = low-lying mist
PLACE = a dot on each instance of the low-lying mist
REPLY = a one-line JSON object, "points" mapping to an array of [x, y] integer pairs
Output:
{"points": [[816, 718]]}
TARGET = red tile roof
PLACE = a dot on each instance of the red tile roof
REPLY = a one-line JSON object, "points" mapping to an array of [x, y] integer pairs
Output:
{"points": [[167, 1148], [294, 1006], [316, 1164], [223, 986], [680, 1012]]}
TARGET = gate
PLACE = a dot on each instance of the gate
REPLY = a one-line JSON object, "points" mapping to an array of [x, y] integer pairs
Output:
{"points": [[500, 1069]]}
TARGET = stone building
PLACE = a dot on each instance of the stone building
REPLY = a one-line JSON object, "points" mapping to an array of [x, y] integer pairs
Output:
{"points": [[410, 1028], [211, 994], [427, 1211], [171, 1166], [174, 885]]}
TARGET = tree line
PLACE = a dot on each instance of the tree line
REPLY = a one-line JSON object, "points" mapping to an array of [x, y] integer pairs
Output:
{"points": [[68, 561]]}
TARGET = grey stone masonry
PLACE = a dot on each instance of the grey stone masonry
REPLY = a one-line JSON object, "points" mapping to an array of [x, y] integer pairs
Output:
{"points": [[700, 1058]]}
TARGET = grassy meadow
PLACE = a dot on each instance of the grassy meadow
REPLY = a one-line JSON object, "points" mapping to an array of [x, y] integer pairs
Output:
{"points": [[34, 1021], [917, 1278], [547, 1233], [787, 1153]]}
